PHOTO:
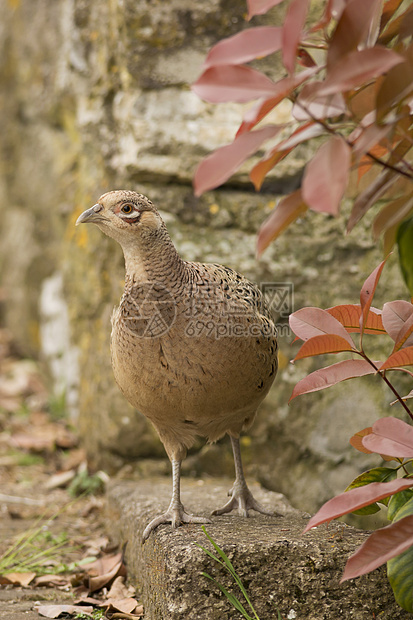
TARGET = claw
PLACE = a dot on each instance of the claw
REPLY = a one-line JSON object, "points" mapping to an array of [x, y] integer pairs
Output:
{"points": [[243, 499], [176, 516]]}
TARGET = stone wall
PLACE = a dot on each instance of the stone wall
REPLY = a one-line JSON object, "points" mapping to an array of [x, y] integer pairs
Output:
{"points": [[94, 96]]}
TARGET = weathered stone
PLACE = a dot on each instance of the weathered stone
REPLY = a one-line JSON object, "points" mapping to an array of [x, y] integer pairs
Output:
{"points": [[94, 96], [280, 568]]}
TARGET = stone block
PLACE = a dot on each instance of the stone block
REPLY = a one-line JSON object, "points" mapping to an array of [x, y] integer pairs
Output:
{"points": [[281, 569]]}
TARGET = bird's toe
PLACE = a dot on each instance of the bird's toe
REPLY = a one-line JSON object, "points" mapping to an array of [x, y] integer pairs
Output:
{"points": [[243, 499], [176, 517]]}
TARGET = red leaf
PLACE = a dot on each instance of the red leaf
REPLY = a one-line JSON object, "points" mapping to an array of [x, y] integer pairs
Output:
{"points": [[390, 436], [309, 105], [320, 345], [292, 31], [404, 337], [352, 29], [302, 134], [219, 165], [305, 59], [370, 195], [368, 138], [349, 317], [233, 83], [381, 546], [309, 322], [326, 176], [367, 293], [355, 499], [325, 377], [395, 315], [396, 87], [259, 7], [287, 210], [357, 439], [358, 67], [281, 150], [404, 357], [245, 46], [392, 214], [282, 88]]}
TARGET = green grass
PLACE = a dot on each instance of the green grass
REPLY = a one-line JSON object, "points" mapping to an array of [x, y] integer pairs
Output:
{"points": [[40, 551], [226, 563]]}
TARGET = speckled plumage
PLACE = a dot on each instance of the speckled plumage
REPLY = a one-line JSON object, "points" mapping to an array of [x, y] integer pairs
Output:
{"points": [[193, 345]]}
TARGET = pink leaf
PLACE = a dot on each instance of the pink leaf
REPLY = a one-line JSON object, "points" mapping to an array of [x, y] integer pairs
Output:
{"points": [[245, 46], [404, 357], [282, 88], [390, 436], [302, 134], [367, 293], [326, 176], [357, 498], [358, 67], [219, 165], [352, 28], [233, 83], [309, 105], [259, 7], [325, 377], [370, 195], [381, 546], [395, 314], [309, 322], [369, 137], [292, 31], [405, 335], [287, 210]]}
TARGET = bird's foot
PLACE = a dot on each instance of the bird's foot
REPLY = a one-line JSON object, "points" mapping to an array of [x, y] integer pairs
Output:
{"points": [[243, 499], [176, 516]]}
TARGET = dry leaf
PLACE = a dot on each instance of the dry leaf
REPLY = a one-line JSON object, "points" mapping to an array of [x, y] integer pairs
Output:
{"points": [[54, 611], [119, 590], [17, 579], [124, 605], [51, 580]]}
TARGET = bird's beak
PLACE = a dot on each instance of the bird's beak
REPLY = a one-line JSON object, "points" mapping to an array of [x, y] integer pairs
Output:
{"points": [[91, 215]]}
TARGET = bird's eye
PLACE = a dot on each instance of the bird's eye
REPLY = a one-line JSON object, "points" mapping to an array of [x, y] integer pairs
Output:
{"points": [[127, 209]]}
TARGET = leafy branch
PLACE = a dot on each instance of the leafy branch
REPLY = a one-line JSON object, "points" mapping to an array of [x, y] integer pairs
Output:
{"points": [[360, 79], [328, 331]]}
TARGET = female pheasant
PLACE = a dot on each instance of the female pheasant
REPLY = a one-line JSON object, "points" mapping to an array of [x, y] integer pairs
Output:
{"points": [[193, 345]]}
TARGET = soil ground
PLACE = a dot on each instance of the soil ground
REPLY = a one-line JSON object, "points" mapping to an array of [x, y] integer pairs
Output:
{"points": [[51, 509]]}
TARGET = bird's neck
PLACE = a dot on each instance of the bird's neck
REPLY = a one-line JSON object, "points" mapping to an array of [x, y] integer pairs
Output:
{"points": [[153, 258]]}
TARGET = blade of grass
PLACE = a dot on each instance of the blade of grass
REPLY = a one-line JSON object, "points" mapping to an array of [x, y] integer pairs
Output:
{"points": [[232, 599], [228, 565]]}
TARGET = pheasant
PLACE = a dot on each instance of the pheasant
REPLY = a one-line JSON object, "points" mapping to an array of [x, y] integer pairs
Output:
{"points": [[193, 345]]}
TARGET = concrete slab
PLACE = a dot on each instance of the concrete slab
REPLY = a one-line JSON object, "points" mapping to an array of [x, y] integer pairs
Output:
{"points": [[281, 568]]}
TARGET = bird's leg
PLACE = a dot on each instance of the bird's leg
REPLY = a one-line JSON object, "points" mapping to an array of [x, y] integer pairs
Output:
{"points": [[241, 496], [176, 513]]}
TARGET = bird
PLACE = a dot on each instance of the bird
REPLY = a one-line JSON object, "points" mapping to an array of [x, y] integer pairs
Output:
{"points": [[193, 345]]}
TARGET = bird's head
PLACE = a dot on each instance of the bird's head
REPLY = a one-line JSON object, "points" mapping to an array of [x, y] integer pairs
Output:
{"points": [[125, 216]]}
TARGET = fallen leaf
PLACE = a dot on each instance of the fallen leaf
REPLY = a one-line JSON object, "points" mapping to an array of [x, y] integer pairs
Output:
{"points": [[105, 570], [119, 590], [54, 611], [124, 605], [17, 579], [51, 580]]}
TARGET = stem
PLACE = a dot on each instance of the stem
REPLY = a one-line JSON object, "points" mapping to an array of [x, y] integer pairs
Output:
{"points": [[333, 132], [393, 389]]}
